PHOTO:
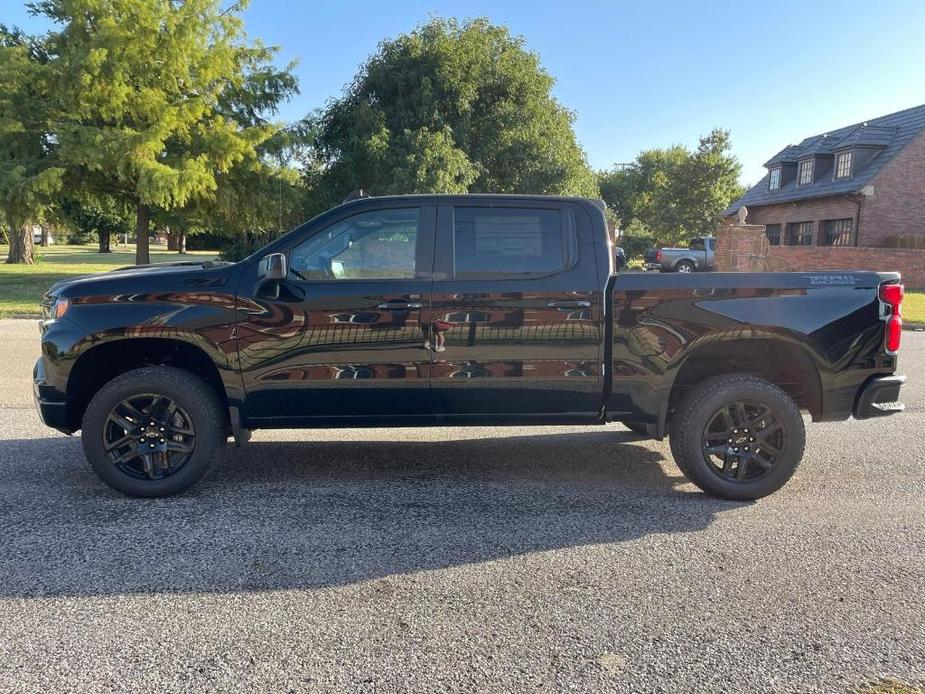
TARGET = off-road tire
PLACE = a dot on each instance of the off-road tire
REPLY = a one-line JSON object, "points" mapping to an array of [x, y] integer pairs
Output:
{"points": [[196, 397], [690, 420]]}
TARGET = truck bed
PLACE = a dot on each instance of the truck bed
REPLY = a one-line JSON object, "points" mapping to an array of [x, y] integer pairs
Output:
{"points": [[822, 331]]}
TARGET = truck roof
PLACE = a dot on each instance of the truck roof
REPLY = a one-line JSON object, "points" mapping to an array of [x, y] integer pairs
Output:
{"points": [[488, 197]]}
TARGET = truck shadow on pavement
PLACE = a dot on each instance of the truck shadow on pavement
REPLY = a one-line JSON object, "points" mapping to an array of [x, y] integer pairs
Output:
{"points": [[303, 515]]}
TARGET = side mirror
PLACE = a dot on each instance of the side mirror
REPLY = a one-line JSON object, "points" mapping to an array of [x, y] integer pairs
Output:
{"points": [[272, 267]]}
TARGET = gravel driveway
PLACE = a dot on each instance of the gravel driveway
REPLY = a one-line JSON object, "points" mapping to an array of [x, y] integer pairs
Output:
{"points": [[560, 558]]}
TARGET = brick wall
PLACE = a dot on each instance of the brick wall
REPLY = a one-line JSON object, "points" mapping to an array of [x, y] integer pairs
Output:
{"points": [[738, 247], [837, 207], [897, 206], [911, 263]]}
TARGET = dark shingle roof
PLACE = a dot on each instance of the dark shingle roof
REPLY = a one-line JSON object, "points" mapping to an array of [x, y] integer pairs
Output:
{"points": [[875, 135], [891, 133]]}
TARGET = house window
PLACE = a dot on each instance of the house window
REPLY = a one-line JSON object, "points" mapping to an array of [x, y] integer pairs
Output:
{"points": [[773, 232], [843, 165], [806, 172], [837, 232], [800, 234], [774, 180]]}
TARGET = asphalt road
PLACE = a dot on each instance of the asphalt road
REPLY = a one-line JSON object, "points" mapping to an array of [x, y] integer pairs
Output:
{"points": [[566, 558]]}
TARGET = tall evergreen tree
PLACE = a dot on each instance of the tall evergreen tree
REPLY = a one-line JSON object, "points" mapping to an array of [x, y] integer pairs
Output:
{"points": [[158, 99], [29, 179]]}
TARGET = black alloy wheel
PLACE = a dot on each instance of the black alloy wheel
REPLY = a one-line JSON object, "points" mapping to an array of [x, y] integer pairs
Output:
{"points": [[737, 436], [149, 436], [154, 431], [742, 441]]}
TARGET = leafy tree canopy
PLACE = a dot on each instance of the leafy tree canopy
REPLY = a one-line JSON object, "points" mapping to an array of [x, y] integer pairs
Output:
{"points": [[450, 107], [674, 193], [156, 100]]}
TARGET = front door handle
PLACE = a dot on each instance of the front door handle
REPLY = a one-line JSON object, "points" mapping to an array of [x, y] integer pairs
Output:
{"points": [[568, 304], [399, 306]]}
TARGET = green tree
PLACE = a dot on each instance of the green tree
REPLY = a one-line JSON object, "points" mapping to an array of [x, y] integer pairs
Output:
{"points": [[148, 94], [261, 195], [450, 107], [102, 216], [29, 179], [712, 182], [674, 193], [635, 239]]}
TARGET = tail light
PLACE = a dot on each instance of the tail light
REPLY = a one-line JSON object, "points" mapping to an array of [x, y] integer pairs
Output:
{"points": [[658, 256], [891, 299]]}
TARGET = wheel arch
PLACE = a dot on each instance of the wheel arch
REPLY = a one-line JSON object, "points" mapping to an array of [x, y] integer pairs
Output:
{"points": [[784, 363], [106, 360]]}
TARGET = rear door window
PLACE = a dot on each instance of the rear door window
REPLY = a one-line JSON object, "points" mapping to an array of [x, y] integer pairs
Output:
{"points": [[510, 241]]}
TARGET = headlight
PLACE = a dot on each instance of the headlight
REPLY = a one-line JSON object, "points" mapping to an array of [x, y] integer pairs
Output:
{"points": [[60, 308], [56, 310]]}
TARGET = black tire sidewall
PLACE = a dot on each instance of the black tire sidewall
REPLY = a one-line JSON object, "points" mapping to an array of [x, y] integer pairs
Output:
{"points": [[187, 390], [699, 408]]}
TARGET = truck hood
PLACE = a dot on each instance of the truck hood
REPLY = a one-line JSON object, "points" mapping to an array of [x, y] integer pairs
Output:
{"points": [[177, 269]]}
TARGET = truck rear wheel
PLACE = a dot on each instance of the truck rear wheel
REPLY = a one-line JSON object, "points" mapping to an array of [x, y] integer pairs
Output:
{"points": [[153, 431], [738, 437], [684, 266]]}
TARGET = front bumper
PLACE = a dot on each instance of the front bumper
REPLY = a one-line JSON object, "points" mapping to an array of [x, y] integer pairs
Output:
{"points": [[53, 411], [879, 397]]}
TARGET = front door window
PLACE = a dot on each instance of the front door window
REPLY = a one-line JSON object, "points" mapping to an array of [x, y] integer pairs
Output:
{"points": [[374, 245]]}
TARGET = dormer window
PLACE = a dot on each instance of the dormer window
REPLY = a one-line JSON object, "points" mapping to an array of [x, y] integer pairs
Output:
{"points": [[774, 180], [843, 165], [806, 172]]}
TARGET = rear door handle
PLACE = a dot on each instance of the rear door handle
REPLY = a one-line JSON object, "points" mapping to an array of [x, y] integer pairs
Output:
{"points": [[399, 306], [568, 304]]}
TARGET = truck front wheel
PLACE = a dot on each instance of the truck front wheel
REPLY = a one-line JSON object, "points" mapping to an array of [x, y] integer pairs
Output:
{"points": [[153, 431], [737, 437]]}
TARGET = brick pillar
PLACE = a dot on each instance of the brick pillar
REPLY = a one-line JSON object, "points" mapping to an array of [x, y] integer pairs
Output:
{"points": [[741, 248]]}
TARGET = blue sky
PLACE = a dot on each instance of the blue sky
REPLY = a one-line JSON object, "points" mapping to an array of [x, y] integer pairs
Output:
{"points": [[645, 73]]}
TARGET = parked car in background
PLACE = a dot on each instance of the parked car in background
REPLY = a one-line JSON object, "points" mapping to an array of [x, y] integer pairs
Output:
{"points": [[37, 237], [697, 257]]}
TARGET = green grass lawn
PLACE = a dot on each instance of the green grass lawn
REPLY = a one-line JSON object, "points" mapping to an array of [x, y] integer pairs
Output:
{"points": [[22, 286], [914, 308]]}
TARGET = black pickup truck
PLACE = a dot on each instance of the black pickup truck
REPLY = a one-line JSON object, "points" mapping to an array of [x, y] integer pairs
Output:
{"points": [[466, 311]]}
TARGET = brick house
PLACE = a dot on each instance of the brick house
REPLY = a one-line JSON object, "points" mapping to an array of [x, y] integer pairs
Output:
{"points": [[831, 200]]}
